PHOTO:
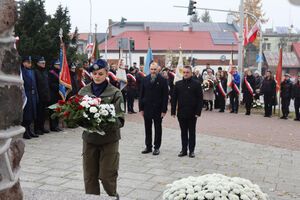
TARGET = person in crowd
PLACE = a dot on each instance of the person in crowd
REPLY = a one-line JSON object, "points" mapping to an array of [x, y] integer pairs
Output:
{"points": [[221, 90], [86, 76], [189, 98], [172, 74], [112, 76], [31, 92], [235, 92], [258, 84], [53, 80], [220, 69], [165, 74], [286, 95], [101, 152], [268, 90], [296, 98], [140, 75], [217, 94], [209, 94], [248, 86], [74, 80], [131, 90], [207, 68], [41, 77], [80, 77], [153, 104], [197, 76]]}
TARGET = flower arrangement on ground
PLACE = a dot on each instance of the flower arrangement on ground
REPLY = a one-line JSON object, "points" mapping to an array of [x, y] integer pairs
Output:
{"points": [[87, 112], [213, 187], [257, 104]]}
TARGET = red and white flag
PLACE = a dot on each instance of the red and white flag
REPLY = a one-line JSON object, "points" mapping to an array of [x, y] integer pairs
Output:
{"points": [[253, 32], [89, 46], [246, 33]]}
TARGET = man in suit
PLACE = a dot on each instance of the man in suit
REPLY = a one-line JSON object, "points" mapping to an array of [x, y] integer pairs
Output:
{"points": [[296, 97], [153, 104], [286, 95], [188, 96]]}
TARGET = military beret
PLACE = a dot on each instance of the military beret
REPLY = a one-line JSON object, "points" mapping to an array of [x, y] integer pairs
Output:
{"points": [[57, 62], [41, 60], [27, 59], [98, 64]]}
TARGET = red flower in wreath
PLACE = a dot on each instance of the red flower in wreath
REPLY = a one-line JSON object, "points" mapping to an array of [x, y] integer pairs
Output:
{"points": [[61, 102], [67, 114], [80, 107], [58, 109]]}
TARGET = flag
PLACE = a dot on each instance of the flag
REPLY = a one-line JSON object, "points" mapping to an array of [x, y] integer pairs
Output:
{"points": [[253, 32], [24, 94], [246, 33], [279, 71], [16, 42], [230, 74], [121, 73], [95, 54], [89, 46], [149, 59], [65, 85], [179, 69]]}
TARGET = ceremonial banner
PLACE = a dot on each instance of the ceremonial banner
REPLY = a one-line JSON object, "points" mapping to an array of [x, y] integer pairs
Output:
{"points": [[246, 33], [279, 71], [230, 74], [65, 85], [95, 54], [149, 59], [121, 73], [253, 32], [179, 69]]}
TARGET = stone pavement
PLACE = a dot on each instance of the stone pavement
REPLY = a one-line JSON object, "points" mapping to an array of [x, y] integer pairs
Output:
{"points": [[53, 161]]}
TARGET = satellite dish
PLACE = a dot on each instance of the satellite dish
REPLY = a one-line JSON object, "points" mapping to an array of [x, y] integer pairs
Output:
{"points": [[223, 58], [295, 2]]}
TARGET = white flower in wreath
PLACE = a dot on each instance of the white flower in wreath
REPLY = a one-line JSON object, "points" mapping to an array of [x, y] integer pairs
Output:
{"points": [[85, 104], [98, 120], [96, 115], [85, 115], [105, 112], [93, 109]]}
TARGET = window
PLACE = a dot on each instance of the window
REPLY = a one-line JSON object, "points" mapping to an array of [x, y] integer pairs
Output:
{"points": [[268, 46], [142, 60]]}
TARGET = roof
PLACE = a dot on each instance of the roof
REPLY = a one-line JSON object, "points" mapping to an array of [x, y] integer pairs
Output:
{"points": [[296, 49], [171, 40], [289, 59]]}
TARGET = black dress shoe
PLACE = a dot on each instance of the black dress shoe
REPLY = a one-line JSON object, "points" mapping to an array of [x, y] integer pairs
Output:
{"points": [[182, 153], [192, 155], [55, 129], [221, 111], [146, 151], [156, 152], [45, 130], [134, 112], [297, 119], [26, 135], [33, 135], [282, 117], [38, 132], [59, 129], [232, 111]]}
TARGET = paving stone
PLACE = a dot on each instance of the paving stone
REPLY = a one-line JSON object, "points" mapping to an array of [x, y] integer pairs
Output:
{"points": [[143, 194]]}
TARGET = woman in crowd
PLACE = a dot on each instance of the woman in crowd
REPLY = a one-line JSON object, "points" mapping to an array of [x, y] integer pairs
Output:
{"points": [[209, 94], [248, 91], [221, 90]]}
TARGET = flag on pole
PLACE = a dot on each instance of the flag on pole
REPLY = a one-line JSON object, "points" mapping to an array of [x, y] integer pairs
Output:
{"points": [[246, 33], [121, 72], [253, 32], [95, 53], [279, 71], [230, 74], [65, 85], [179, 69], [149, 59], [89, 46]]}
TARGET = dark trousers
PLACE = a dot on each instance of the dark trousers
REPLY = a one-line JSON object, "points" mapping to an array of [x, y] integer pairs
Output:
{"points": [[148, 131], [53, 122], [248, 107], [188, 133], [234, 101], [297, 106], [40, 121], [285, 103], [221, 101], [268, 101], [26, 124], [130, 100]]}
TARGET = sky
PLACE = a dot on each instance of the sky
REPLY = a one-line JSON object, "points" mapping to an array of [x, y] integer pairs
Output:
{"points": [[279, 12]]}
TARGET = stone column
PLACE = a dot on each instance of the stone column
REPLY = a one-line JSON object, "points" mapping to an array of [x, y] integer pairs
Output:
{"points": [[11, 101]]}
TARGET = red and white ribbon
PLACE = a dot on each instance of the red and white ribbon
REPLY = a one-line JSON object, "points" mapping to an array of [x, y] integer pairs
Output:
{"points": [[249, 86]]}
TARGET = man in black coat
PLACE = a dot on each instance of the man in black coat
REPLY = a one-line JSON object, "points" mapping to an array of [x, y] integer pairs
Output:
{"points": [[153, 104], [41, 76], [31, 92], [53, 80], [248, 91], [131, 90], [189, 97], [268, 89], [286, 95], [74, 81], [296, 97], [197, 76]]}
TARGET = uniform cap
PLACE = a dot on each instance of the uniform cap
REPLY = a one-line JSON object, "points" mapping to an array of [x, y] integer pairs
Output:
{"points": [[99, 64]]}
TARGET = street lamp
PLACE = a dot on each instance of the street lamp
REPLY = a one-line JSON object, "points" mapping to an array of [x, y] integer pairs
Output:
{"points": [[122, 23]]}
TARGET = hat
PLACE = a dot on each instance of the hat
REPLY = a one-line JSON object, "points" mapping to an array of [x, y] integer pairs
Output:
{"points": [[256, 72], [286, 74], [73, 65], [209, 70], [98, 64], [27, 59], [41, 60], [131, 69], [57, 62]]}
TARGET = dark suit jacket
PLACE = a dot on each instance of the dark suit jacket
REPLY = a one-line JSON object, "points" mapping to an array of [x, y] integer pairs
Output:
{"points": [[153, 97]]}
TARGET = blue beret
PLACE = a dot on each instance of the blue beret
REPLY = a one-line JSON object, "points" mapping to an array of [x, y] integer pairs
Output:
{"points": [[98, 64], [57, 62], [41, 60], [27, 59], [73, 65]]}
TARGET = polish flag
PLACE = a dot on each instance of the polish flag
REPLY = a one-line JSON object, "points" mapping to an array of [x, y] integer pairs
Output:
{"points": [[89, 46], [253, 32], [246, 33]]}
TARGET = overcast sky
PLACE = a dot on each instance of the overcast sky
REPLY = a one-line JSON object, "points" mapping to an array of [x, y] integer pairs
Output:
{"points": [[279, 12]]}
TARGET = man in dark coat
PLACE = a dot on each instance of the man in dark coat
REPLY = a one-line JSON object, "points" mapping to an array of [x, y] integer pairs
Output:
{"points": [[74, 80], [258, 84], [286, 95], [188, 96], [131, 90], [198, 77], [296, 97], [30, 109], [268, 89], [207, 68], [153, 104], [41, 76], [53, 81], [248, 91]]}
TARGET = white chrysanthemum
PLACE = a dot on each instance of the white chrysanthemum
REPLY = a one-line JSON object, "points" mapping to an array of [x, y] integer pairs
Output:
{"points": [[96, 115], [105, 112], [93, 109], [85, 115], [85, 104]]}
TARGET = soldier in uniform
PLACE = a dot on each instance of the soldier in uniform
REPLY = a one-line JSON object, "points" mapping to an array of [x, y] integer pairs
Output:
{"points": [[286, 95], [30, 110], [248, 89], [188, 96], [131, 90], [41, 76], [53, 80], [153, 104], [296, 97], [86, 76], [101, 152], [268, 89]]}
